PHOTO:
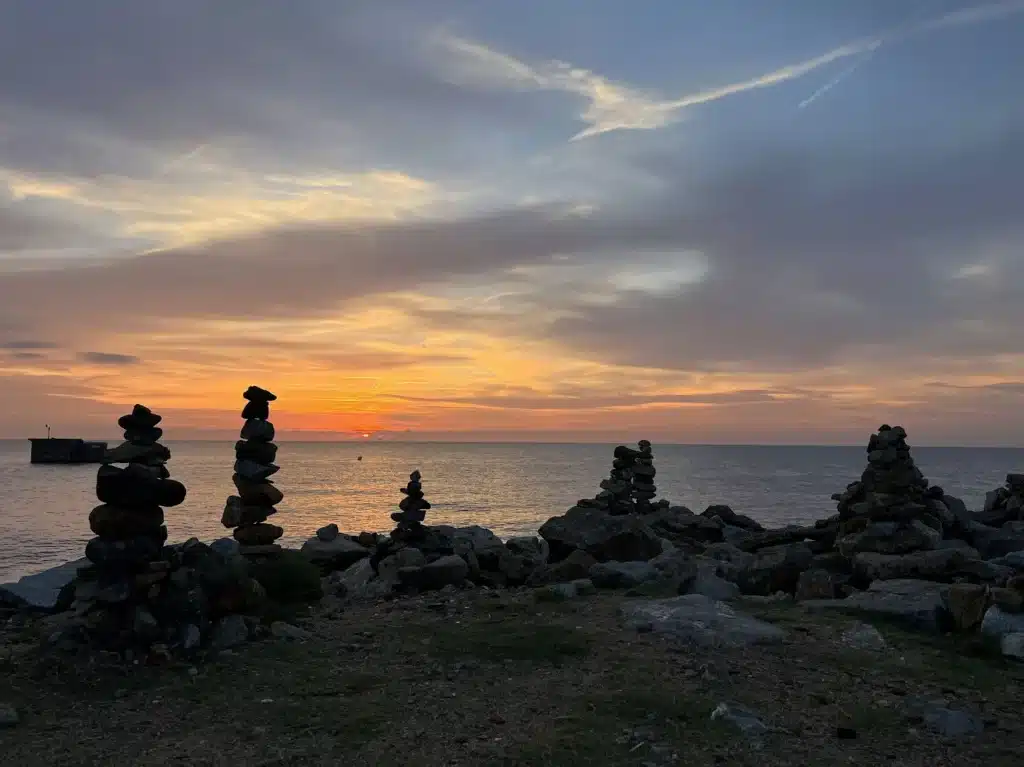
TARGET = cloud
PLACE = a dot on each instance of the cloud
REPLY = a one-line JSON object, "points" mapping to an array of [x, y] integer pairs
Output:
{"points": [[27, 345], [614, 106], [107, 358]]}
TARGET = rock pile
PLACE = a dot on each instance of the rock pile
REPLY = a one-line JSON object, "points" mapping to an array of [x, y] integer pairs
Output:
{"points": [[891, 509], [1005, 504], [129, 525], [412, 510], [630, 484], [119, 593], [644, 489], [257, 496]]}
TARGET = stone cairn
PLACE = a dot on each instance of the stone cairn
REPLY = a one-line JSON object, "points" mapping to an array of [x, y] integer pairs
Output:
{"points": [[257, 496], [891, 509], [644, 488], [615, 496], [119, 595], [412, 510]]}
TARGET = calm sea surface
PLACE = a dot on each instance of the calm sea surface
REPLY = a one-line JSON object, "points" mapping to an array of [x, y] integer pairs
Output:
{"points": [[510, 488]]}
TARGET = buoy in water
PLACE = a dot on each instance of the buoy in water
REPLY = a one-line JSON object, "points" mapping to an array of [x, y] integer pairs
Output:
{"points": [[359, 458]]}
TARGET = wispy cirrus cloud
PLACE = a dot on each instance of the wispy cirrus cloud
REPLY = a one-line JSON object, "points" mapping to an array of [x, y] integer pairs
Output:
{"points": [[613, 106]]}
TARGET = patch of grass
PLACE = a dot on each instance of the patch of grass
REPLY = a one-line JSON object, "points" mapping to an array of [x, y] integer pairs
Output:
{"points": [[504, 640], [289, 578]]}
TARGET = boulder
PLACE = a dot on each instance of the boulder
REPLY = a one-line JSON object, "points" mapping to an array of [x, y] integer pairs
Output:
{"points": [[675, 565], [230, 631], [939, 564], [487, 546], [448, 570], [1007, 600], [966, 603], [606, 537], [998, 623], [993, 542], [815, 584], [622, 575], [732, 560], [531, 547], [1015, 560], [48, 590], [1012, 645], [328, 533], [338, 554], [730, 517], [574, 567], [695, 618], [776, 568], [708, 584], [679, 525], [863, 636], [918, 604], [387, 568], [890, 538], [360, 582]]}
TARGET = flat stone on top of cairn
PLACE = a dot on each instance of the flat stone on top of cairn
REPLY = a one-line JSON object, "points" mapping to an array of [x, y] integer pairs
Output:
{"points": [[413, 509], [644, 489], [257, 496]]}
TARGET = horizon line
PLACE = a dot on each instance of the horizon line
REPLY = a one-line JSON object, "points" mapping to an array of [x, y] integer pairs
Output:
{"points": [[356, 441]]}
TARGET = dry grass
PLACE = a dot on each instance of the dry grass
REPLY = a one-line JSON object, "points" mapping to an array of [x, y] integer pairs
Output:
{"points": [[485, 680]]}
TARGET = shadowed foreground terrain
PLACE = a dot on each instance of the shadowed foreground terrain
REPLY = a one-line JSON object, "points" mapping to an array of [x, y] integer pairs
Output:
{"points": [[477, 678]]}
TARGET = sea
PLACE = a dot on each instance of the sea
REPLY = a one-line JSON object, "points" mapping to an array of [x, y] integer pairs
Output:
{"points": [[509, 488]]}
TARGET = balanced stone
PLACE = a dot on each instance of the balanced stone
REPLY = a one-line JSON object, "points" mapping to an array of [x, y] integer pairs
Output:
{"points": [[257, 394], [109, 521], [256, 430], [141, 417], [143, 435], [256, 409], [257, 493], [128, 553], [129, 452], [257, 452], [256, 472], [137, 485], [260, 534], [236, 513]]}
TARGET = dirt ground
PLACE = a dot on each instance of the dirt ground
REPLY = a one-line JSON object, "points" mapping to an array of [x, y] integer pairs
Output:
{"points": [[486, 679]]}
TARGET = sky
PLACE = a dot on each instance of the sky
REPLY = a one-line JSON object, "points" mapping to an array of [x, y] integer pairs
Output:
{"points": [[691, 221]]}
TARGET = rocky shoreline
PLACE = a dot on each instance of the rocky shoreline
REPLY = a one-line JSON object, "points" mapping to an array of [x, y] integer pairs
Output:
{"points": [[897, 547]]}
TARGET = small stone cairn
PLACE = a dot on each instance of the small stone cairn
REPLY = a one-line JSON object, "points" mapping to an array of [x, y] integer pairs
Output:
{"points": [[412, 510], [257, 496], [1005, 504], [891, 509], [644, 488], [119, 594]]}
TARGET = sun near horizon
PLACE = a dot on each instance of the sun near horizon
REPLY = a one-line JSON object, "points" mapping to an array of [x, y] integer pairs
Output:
{"points": [[720, 223]]}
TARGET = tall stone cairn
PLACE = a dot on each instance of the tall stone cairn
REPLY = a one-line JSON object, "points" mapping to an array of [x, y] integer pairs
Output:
{"points": [[257, 496], [412, 509], [644, 489], [891, 509], [115, 594]]}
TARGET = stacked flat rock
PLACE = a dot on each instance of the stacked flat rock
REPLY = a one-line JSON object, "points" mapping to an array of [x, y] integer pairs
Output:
{"points": [[644, 488], [128, 566], [412, 509], [255, 452], [891, 509], [1005, 504]]}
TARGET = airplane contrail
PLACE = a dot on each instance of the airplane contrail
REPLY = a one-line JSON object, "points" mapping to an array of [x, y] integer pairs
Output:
{"points": [[837, 79]]}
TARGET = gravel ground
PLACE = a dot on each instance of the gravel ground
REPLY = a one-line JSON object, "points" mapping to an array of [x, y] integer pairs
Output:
{"points": [[485, 679]]}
